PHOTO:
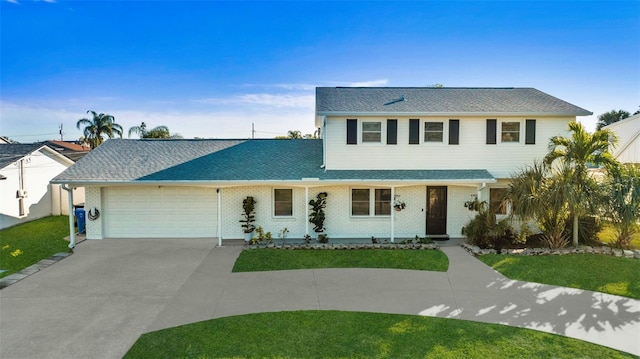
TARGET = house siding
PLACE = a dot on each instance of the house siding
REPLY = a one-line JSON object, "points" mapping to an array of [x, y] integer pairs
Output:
{"points": [[472, 152]]}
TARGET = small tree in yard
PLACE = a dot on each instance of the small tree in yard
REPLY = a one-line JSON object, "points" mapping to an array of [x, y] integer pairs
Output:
{"points": [[248, 216], [575, 153], [623, 205]]}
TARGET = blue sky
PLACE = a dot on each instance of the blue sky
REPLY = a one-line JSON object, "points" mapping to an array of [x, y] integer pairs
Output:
{"points": [[211, 68]]}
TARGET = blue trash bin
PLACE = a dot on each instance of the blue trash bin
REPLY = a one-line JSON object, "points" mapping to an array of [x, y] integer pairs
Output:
{"points": [[80, 217]]}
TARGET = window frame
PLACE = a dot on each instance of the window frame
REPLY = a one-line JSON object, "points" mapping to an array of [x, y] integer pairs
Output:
{"points": [[378, 132], [373, 202], [441, 132], [502, 131], [504, 206], [274, 201]]}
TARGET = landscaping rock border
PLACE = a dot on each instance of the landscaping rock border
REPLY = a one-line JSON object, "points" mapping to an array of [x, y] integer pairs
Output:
{"points": [[604, 250], [329, 246]]}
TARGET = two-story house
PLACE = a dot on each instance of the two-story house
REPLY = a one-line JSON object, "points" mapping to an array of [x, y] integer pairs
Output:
{"points": [[431, 149]]}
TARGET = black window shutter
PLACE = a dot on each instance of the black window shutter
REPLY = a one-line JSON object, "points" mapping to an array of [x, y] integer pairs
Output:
{"points": [[352, 132], [491, 132], [392, 132], [414, 132], [530, 133], [454, 132]]}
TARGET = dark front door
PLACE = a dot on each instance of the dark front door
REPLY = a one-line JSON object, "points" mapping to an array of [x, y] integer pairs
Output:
{"points": [[436, 210]]}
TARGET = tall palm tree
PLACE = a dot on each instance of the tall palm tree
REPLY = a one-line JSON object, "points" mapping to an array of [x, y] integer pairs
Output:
{"points": [[97, 127], [156, 132], [576, 153]]}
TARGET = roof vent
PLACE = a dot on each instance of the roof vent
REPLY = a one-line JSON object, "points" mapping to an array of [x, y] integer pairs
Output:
{"points": [[402, 98]]}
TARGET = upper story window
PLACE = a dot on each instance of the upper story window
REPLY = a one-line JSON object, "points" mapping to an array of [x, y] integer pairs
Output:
{"points": [[283, 202], [371, 131], [510, 132], [363, 203], [433, 131]]}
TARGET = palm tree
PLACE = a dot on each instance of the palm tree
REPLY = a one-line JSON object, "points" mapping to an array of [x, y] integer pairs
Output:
{"points": [[156, 132], [294, 135], [576, 153], [623, 205], [97, 127]]}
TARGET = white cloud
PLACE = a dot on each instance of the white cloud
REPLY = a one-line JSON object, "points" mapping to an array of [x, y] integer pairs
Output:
{"points": [[372, 83], [264, 99]]}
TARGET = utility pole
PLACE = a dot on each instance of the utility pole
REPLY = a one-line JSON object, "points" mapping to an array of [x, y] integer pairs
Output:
{"points": [[253, 131], [61, 133]]}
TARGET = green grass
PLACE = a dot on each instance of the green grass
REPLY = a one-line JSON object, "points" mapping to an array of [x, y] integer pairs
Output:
{"points": [[272, 259], [28, 243], [613, 275], [333, 334]]}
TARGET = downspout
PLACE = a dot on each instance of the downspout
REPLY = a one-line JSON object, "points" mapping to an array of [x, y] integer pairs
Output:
{"points": [[393, 215], [306, 210], [72, 229], [219, 217]]}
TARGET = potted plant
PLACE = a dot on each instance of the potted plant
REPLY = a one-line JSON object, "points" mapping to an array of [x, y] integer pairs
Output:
{"points": [[248, 217], [398, 205], [317, 216]]}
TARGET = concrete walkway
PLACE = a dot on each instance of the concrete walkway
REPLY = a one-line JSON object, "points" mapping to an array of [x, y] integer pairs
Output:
{"points": [[97, 302]]}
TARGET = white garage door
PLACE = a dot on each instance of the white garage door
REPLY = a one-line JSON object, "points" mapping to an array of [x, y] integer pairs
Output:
{"points": [[159, 212]]}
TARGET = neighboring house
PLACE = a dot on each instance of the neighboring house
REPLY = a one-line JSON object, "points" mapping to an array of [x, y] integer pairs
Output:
{"points": [[431, 148], [25, 192], [628, 132], [72, 150]]}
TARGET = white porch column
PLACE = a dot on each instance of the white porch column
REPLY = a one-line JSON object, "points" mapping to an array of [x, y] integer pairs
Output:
{"points": [[306, 210], [72, 229], [219, 192], [393, 214]]}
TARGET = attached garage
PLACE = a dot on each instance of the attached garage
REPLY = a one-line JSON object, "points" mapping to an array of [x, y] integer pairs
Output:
{"points": [[159, 212]]}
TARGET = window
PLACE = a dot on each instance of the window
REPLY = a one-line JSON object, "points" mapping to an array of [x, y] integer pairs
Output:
{"points": [[359, 202], [363, 204], [497, 201], [433, 131], [510, 132], [383, 202], [371, 131], [283, 202]]}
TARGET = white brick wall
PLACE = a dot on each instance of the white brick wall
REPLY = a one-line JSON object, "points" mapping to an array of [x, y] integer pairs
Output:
{"points": [[93, 199]]}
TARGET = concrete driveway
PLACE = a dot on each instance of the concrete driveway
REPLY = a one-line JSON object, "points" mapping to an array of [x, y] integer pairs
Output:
{"points": [[97, 302]]}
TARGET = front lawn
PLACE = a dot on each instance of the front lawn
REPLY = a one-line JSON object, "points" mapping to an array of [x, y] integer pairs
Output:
{"points": [[28, 243], [601, 273], [334, 334], [281, 259]]}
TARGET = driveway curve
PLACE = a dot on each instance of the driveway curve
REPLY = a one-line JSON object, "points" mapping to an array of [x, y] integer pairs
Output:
{"points": [[97, 302]]}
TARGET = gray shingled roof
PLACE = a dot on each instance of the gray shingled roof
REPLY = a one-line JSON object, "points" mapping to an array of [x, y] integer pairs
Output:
{"points": [[139, 161], [446, 100], [11, 152]]}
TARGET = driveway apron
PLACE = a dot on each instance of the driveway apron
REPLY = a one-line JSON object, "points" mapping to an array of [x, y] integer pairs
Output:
{"points": [[97, 302]]}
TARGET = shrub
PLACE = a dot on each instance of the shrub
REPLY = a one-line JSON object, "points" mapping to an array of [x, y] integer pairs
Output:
{"points": [[484, 230]]}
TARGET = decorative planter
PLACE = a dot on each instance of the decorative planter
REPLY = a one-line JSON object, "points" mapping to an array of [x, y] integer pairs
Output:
{"points": [[247, 237]]}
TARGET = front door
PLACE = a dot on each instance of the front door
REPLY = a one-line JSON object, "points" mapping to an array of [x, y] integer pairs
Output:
{"points": [[436, 210]]}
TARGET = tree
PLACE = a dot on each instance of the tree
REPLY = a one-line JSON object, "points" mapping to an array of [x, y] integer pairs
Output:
{"points": [[97, 127], [575, 153], [623, 203], [537, 192], [294, 135], [610, 117], [156, 132]]}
